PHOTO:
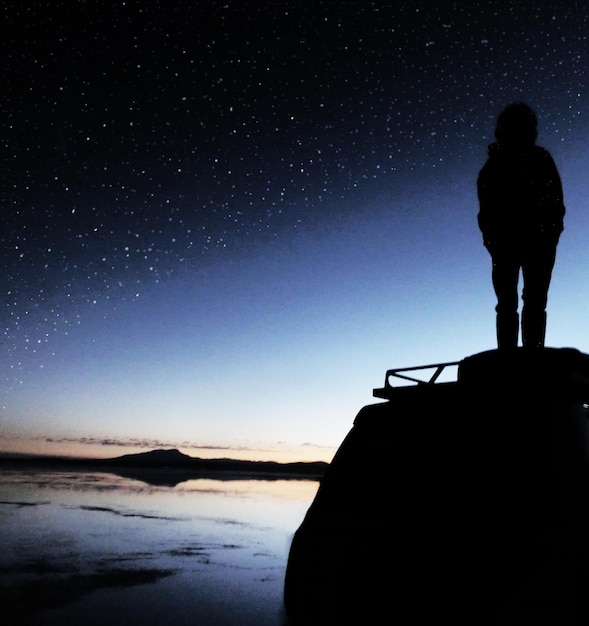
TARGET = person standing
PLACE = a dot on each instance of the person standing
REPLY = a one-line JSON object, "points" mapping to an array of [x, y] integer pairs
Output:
{"points": [[521, 217]]}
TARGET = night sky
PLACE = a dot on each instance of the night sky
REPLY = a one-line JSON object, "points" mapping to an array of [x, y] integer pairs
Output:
{"points": [[223, 221]]}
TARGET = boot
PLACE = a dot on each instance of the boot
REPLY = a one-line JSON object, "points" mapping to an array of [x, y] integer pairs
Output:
{"points": [[507, 330], [533, 329]]}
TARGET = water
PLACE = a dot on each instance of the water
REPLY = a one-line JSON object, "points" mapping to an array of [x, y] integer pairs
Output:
{"points": [[96, 548]]}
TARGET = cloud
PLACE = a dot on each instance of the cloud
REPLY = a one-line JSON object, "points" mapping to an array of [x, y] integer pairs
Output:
{"points": [[155, 443], [115, 446], [316, 446], [132, 443]]}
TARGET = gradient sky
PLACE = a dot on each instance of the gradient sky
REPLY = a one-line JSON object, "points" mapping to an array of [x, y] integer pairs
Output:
{"points": [[222, 222]]}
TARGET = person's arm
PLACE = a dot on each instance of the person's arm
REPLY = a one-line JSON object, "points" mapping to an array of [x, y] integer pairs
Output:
{"points": [[552, 200]]}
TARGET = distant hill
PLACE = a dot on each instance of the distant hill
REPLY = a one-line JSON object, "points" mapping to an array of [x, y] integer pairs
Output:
{"points": [[174, 460], [155, 458]]}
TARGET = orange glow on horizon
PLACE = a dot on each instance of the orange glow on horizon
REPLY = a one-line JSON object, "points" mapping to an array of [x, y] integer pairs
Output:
{"points": [[84, 450]]}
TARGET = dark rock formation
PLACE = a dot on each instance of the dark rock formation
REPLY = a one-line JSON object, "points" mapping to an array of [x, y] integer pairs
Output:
{"points": [[466, 500]]}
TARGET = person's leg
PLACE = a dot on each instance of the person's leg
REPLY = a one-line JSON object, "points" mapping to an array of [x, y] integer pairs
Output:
{"points": [[505, 276], [537, 272]]}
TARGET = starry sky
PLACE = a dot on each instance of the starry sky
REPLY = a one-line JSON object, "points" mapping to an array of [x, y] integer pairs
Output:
{"points": [[222, 222]]}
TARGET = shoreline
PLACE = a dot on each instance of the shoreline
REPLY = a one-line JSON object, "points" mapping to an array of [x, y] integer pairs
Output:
{"points": [[161, 467]]}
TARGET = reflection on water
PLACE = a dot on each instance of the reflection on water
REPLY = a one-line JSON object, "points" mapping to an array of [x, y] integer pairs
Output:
{"points": [[96, 548]]}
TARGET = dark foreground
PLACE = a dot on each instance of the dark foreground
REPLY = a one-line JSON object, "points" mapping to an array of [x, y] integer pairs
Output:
{"points": [[466, 502]]}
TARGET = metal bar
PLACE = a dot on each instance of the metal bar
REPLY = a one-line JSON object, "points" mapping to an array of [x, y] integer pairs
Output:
{"points": [[439, 367], [424, 367], [414, 380], [437, 373]]}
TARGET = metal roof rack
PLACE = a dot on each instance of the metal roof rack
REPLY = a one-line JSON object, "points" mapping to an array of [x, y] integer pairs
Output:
{"points": [[399, 372]]}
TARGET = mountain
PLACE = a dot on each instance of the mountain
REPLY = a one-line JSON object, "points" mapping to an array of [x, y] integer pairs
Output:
{"points": [[174, 459], [155, 458]]}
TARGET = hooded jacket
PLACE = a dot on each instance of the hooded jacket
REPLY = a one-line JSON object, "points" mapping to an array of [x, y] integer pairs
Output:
{"points": [[520, 197]]}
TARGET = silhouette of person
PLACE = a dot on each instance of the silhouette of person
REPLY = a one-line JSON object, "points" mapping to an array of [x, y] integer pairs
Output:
{"points": [[521, 212]]}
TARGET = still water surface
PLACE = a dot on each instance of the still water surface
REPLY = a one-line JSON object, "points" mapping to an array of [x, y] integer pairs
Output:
{"points": [[96, 548]]}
